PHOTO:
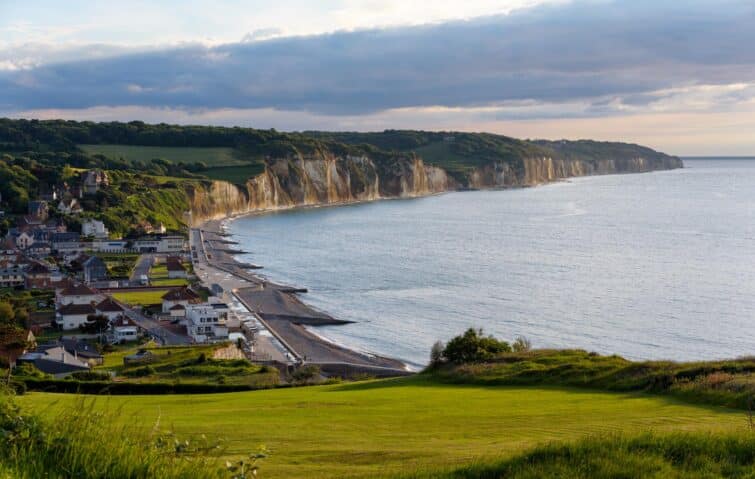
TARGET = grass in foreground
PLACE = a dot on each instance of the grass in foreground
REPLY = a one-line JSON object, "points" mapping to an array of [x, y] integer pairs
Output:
{"points": [[393, 426], [644, 456]]}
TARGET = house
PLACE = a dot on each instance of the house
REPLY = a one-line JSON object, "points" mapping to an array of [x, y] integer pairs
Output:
{"points": [[207, 322], [92, 181], [37, 210], [123, 330], [94, 228], [24, 240], [11, 277], [8, 246], [160, 244], [72, 316], [111, 246], [177, 311], [14, 342], [36, 275], [175, 268], [83, 351], [110, 309], [94, 269], [54, 360], [183, 296], [39, 250], [78, 294], [69, 206]]}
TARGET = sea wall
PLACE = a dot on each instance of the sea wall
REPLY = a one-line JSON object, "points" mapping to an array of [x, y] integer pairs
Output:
{"points": [[325, 179]]}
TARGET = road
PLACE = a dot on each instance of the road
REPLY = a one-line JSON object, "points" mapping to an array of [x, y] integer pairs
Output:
{"points": [[143, 264], [163, 335]]}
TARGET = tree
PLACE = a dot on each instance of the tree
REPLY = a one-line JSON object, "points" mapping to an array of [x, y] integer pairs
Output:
{"points": [[473, 346], [7, 315], [521, 345], [436, 353]]}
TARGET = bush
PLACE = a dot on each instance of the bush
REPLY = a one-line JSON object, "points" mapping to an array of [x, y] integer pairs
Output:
{"points": [[305, 373], [139, 372], [474, 346], [521, 345], [90, 376]]}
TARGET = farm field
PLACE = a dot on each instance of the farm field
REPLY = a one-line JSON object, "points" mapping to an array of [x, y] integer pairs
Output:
{"points": [[210, 156], [397, 426]]}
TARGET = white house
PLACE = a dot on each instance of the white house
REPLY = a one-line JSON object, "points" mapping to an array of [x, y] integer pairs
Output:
{"points": [[11, 277], [182, 296], [207, 322], [110, 309], [71, 316], [24, 240], [175, 268], [78, 294], [123, 330], [94, 228]]}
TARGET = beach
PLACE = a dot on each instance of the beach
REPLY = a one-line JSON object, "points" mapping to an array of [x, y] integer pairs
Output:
{"points": [[279, 308]]}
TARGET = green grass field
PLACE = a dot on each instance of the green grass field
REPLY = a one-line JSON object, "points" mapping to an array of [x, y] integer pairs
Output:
{"points": [[143, 298], [210, 156], [234, 174], [158, 276], [398, 426]]}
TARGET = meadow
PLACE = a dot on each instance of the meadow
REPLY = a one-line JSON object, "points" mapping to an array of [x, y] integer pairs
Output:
{"points": [[208, 155], [144, 298], [393, 427]]}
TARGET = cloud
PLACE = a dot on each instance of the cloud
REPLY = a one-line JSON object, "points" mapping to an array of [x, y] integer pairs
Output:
{"points": [[606, 57]]}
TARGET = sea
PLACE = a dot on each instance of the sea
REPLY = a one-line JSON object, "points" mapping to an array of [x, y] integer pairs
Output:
{"points": [[647, 266]]}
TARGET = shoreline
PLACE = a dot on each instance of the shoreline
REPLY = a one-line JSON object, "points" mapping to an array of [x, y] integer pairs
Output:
{"points": [[291, 320], [280, 310]]}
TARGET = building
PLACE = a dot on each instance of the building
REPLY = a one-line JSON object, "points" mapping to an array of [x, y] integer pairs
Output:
{"points": [[111, 246], [69, 206], [92, 181], [94, 269], [123, 330], [8, 246], [37, 273], [178, 311], [206, 323], [175, 268], [94, 228], [160, 244], [183, 296], [83, 350], [39, 250], [72, 316], [24, 240], [78, 294], [11, 277], [54, 360], [110, 309], [37, 210]]}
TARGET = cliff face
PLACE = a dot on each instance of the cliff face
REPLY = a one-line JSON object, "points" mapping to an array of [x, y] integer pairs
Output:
{"points": [[324, 179], [319, 180]]}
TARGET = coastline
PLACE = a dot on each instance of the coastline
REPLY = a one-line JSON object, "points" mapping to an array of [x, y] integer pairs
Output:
{"points": [[280, 310]]}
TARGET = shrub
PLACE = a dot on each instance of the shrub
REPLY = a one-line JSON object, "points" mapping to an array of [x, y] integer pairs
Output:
{"points": [[90, 376], [474, 346], [521, 345], [436, 353], [305, 373], [139, 372]]}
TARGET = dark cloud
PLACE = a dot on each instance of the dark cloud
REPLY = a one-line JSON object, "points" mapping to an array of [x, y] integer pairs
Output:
{"points": [[581, 50]]}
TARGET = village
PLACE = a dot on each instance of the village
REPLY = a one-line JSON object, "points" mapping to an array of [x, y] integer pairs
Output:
{"points": [[86, 294]]}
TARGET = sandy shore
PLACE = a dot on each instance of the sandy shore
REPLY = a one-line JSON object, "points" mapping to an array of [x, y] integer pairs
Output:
{"points": [[285, 314]]}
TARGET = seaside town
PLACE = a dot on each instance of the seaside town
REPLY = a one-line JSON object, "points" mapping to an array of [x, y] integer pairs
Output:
{"points": [[70, 298]]}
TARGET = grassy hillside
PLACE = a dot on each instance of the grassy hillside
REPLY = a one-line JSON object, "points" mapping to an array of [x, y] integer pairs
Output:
{"points": [[649, 456], [728, 383], [394, 426]]}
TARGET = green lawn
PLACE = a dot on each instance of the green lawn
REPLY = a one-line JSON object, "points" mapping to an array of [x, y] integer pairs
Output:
{"points": [[397, 426], [158, 276], [143, 298], [210, 156]]}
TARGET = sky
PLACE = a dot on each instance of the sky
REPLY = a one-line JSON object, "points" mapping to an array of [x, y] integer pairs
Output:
{"points": [[676, 76]]}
